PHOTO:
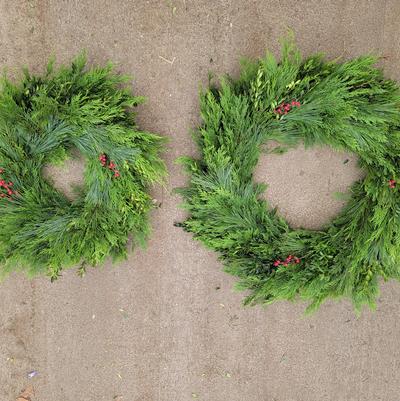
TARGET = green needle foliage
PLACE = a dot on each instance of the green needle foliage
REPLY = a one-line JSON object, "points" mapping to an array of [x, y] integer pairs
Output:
{"points": [[44, 118], [349, 106]]}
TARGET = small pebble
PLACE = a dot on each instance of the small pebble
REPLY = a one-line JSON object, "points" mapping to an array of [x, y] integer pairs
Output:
{"points": [[32, 374]]}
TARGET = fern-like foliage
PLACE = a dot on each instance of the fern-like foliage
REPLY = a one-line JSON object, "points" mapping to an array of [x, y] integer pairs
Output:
{"points": [[44, 118], [348, 106]]}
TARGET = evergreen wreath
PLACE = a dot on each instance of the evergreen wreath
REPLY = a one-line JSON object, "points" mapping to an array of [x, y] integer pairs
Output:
{"points": [[43, 119], [349, 106]]}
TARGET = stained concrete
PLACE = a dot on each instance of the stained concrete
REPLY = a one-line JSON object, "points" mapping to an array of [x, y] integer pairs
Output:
{"points": [[309, 187], [165, 325]]}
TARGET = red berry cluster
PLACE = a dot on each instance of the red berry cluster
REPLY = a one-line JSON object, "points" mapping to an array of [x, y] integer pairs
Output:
{"points": [[289, 259], [111, 165], [6, 190], [284, 108], [392, 183]]}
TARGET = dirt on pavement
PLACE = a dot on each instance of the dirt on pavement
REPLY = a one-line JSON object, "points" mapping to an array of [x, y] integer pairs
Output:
{"points": [[166, 325]]}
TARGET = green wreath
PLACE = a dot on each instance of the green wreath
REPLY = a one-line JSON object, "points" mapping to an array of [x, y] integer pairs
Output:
{"points": [[43, 119], [348, 106]]}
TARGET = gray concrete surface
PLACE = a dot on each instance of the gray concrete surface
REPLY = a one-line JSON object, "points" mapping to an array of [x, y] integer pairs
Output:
{"points": [[156, 327], [308, 186]]}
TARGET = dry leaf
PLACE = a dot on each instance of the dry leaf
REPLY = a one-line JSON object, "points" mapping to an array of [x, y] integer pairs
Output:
{"points": [[27, 394]]}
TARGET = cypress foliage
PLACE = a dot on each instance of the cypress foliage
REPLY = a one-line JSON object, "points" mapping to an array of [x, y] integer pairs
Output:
{"points": [[349, 106], [43, 118]]}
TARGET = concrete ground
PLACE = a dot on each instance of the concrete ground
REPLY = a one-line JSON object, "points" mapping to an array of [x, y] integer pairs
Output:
{"points": [[166, 325]]}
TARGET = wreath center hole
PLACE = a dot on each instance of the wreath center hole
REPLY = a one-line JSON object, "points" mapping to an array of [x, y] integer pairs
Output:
{"points": [[308, 186], [67, 176]]}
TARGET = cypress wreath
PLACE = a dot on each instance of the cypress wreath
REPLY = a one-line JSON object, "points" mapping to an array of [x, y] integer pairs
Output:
{"points": [[43, 119], [348, 106]]}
